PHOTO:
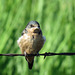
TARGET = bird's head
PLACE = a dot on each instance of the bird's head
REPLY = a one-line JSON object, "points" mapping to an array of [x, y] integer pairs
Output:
{"points": [[33, 27]]}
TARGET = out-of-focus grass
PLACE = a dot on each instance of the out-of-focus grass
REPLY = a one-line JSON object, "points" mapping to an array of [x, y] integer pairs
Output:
{"points": [[57, 20]]}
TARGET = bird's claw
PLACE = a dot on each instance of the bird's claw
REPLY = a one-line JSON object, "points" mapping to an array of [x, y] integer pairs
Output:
{"points": [[25, 54], [37, 53]]}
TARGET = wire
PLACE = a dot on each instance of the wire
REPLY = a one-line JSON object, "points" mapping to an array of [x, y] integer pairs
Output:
{"points": [[43, 54]]}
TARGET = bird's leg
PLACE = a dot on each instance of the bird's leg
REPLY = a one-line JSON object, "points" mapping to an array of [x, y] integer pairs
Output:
{"points": [[25, 54], [38, 54]]}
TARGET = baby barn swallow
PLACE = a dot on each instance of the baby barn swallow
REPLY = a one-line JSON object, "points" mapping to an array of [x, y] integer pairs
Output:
{"points": [[31, 41]]}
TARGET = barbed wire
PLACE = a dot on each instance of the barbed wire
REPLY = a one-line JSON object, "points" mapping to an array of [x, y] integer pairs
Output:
{"points": [[43, 54]]}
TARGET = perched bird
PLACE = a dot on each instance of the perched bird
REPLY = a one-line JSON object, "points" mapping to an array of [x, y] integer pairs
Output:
{"points": [[31, 41]]}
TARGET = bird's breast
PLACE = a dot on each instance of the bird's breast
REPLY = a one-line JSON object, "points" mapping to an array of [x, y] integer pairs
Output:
{"points": [[31, 43]]}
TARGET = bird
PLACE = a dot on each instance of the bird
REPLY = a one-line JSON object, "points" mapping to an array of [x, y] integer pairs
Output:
{"points": [[31, 41]]}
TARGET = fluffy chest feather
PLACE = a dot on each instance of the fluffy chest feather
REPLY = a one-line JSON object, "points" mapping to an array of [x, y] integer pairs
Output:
{"points": [[31, 43]]}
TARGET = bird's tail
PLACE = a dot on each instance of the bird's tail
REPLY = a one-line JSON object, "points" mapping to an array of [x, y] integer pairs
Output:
{"points": [[30, 61], [30, 65]]}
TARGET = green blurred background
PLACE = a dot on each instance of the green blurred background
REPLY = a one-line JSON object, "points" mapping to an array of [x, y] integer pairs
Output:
{"points": [[57, 21]]}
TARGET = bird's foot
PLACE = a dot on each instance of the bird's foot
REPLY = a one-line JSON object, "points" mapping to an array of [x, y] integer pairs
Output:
{"points": [[38, 54], [25, 54]]}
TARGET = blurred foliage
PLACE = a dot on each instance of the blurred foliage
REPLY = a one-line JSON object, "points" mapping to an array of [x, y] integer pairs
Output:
{"points": [[57, 20]]}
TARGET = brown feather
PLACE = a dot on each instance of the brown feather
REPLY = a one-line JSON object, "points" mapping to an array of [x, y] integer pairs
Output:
{"points": [[31, 43]]}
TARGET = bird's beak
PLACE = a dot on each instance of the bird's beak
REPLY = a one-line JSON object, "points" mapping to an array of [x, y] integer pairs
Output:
{"points": [[36, 30]]}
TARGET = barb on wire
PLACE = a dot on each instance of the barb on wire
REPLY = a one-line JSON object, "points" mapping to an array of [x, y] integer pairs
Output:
{"points": [[43, 54]]}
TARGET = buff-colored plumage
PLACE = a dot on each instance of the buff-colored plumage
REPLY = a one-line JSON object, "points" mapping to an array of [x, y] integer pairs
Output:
{"points": [[31, 43]]}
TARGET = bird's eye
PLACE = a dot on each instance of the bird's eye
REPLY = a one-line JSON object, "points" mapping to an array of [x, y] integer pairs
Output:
{"points": [[39, 26], [31, 25], [22, 33]]}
